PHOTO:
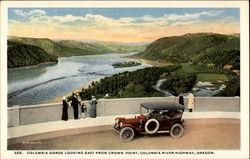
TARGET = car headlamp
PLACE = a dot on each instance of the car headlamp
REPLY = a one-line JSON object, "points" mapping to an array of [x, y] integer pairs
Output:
{"points": [[120, 124], [116, 121]]}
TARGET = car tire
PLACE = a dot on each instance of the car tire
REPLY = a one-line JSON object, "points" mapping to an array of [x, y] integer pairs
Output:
{"points": [[176, 131], [156, 128], [127, 134]]}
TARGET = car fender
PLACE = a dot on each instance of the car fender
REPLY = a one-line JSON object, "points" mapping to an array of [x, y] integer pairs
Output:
{"points": [[127, 125], [176, 122]]}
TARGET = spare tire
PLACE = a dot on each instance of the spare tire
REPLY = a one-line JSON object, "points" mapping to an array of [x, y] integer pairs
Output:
{"points": [[150, 122]]}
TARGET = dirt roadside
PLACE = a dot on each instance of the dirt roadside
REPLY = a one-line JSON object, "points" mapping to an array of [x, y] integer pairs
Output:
{"points": [[202, 134]]}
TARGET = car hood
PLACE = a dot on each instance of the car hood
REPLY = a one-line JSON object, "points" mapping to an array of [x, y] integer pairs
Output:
{"points": [[131, 120], [120, 118], [127, 120]]}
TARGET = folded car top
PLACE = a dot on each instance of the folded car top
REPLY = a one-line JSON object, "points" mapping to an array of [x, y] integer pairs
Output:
{"points": [[162, 106]]}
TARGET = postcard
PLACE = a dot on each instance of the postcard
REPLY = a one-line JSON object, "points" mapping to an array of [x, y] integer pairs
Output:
{"points": [[124, 79]]}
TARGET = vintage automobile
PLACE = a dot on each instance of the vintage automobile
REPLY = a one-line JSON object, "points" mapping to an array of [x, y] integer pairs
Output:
{"points": [[161, 117]]}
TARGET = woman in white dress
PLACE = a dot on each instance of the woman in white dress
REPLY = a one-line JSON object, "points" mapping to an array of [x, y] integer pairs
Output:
{"points": [[190, 102]]}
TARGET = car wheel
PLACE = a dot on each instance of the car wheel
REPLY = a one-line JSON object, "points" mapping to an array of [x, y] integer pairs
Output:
{"points": [[155, 126], [127, 134], [176, 130]]}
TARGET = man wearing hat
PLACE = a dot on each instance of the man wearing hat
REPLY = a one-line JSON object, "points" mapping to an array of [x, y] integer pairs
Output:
{"points": [[75, 103]]}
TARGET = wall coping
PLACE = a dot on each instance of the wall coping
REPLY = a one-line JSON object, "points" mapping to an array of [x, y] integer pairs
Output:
{"points": [[114, 99]]}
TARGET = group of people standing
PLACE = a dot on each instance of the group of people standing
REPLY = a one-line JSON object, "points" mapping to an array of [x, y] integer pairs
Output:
{"points": [[190, 104], [76, 104]]}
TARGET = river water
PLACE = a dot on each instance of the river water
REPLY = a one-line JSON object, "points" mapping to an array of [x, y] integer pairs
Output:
{"points": [[36, 85]]}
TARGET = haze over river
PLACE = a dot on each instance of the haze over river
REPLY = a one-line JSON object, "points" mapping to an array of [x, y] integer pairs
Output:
{"points": [[35, 85]]}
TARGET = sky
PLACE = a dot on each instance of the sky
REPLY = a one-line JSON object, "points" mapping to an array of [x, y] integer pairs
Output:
{"points": [[130, 25]]}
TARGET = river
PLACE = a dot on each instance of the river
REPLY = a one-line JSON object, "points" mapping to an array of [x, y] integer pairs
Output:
{"points": [[36, 85]]}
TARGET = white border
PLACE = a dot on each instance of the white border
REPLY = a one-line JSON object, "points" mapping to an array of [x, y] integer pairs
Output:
{"points": [[244, 28]]}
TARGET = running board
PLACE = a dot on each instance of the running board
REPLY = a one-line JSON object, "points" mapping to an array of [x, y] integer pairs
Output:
{"points": [[162, 132], [157, 132]]}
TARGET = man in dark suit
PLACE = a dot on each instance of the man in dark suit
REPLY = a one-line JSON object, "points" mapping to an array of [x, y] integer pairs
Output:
{"points": [[75, 103], [181, 99]]}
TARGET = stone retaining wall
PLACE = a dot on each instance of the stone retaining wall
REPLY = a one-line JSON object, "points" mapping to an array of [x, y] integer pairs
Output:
{"points": [[23, 115]]}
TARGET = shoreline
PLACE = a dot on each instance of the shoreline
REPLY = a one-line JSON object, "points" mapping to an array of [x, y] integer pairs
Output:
{"points": [[59, 98], [32, 66], [151, 62], [155, 63]]}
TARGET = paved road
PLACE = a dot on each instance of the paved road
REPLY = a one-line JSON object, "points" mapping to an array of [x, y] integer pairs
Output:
{"points": [[157, 87], [198, 134]]}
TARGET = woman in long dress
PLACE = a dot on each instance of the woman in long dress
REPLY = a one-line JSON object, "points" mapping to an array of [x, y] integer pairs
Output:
{"points": [[92, 110], [190, 102], [65, 109]]}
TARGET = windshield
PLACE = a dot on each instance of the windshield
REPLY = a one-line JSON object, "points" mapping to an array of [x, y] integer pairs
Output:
{"points": [[144, 111]]}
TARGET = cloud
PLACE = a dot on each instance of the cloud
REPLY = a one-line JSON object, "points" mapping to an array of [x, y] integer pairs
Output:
{"points": [[126, 29], [37, 12], [194, 16], [95, 20], [186, 23], [13, 21], [185, 17], [20, 12], [32, 13], [64, 19]]}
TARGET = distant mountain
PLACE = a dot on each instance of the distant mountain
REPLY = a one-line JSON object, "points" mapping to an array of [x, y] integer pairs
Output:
{"points": [[103, 47], [12, 37], [54, 48], [64, 48], [205, 48], [99, 41], [25, 55]]}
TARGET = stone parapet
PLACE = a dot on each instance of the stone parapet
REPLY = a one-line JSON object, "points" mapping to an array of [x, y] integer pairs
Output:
{"points": [[23, 115]]}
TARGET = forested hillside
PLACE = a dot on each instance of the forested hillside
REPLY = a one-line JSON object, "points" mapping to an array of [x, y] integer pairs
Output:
{"points": [[200, 48], [54, 48], [25, 55], [138, 83], [75, 48]]}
